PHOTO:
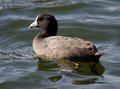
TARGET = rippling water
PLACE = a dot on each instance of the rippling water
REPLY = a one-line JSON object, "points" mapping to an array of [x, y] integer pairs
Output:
{"points": [[94, 20]]}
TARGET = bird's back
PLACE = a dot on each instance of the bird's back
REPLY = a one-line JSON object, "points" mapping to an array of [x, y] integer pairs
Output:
{"points": [[71, 48]]}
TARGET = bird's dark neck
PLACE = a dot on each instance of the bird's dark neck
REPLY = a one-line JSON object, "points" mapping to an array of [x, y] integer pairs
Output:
{"points": [[46, 32]]}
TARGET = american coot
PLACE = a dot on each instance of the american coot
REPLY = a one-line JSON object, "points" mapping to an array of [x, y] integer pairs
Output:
{"points": [[47, 45]]}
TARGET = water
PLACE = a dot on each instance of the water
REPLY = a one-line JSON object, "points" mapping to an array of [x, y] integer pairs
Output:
{"points": [[94, 20]]}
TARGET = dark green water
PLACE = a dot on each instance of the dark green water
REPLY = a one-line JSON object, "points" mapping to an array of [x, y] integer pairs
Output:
{"points": [[95, 20]]}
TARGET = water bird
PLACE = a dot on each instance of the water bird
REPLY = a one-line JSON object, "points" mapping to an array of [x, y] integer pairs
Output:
{"points": [[49, 46]]}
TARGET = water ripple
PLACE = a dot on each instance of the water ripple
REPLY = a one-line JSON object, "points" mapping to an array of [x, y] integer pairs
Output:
{"points": [[4, 4], [16, 54]]}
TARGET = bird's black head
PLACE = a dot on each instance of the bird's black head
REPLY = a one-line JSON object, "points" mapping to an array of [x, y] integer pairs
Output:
{"points": [[47, 23]]}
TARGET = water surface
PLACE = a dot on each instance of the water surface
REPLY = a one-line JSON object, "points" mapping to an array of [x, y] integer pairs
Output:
{"points": [[94, 20]]}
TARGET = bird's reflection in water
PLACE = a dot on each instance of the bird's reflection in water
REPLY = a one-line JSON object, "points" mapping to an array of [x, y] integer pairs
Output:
{"points": [[85, 68]]}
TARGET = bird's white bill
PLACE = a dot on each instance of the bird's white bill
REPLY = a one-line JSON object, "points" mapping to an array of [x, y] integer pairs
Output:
{"points": [[34, 24]]}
